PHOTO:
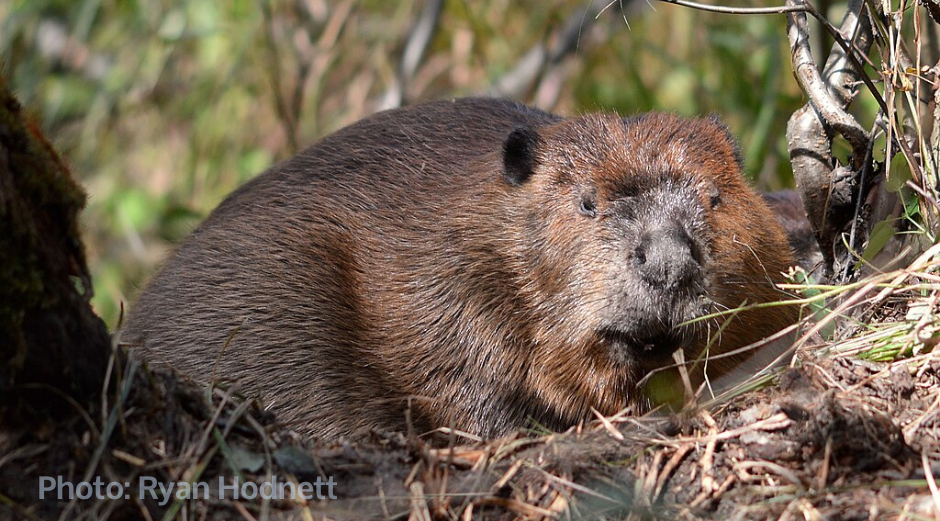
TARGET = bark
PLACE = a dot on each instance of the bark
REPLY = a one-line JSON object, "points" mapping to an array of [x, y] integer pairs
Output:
{"points": [[52, 345], [829, 191]]}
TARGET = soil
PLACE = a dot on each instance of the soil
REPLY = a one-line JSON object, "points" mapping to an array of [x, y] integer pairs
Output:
{"points": [[834, 438]]}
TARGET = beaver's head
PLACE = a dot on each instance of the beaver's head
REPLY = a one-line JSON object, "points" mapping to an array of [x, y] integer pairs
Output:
{"points": [[636, 226]]}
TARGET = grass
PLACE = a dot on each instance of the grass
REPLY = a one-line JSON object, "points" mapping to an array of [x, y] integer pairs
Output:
{"points": [[165, 107]]}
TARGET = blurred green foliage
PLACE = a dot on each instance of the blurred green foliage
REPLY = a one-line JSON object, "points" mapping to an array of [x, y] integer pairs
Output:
{"points": [[163, 107]]}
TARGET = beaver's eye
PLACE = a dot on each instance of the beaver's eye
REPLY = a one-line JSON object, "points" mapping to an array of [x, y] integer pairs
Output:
{"points": [[587, 208], [714, 196]]}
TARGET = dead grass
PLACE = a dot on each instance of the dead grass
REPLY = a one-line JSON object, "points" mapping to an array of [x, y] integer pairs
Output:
{"points": [[842, 435]]}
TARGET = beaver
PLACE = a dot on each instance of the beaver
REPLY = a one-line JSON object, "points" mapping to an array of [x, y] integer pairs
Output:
{"points": [[476, 263], [788, 208]]}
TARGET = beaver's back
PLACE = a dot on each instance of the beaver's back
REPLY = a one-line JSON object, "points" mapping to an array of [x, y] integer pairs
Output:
{"points": [[274, 274]]}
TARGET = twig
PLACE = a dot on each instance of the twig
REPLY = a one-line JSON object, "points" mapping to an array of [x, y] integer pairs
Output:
{"points": [[863, 180], [419, 502], [821, 92], [767, 466], [931, 481], [668, 469], [419, 38], [923, 193], [776, 422], [822, 478], [795, 6], [537, 60], [809, 131], [614, 433], [285, 116], [130, 370], [789, 8], [708, 478]]}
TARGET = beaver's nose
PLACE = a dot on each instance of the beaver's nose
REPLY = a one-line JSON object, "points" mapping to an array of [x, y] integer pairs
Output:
{"points": [[668, 258]]}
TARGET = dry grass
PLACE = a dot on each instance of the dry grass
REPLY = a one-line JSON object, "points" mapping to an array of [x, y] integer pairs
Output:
{"points": [[839, 437], [852, 430]]}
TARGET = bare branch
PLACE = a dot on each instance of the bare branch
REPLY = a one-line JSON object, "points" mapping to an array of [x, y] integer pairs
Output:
{"points": [[811, 129], [789, 8], [514, 83], [832, 94], [421, 37], [285, 116], [418, 41], [540, 58], [855, 39], [795, 6]]}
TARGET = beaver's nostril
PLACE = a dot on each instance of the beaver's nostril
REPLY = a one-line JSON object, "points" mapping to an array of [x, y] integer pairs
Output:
{"points": [[668, 257]]}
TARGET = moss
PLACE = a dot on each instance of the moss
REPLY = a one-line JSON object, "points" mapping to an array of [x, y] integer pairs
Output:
{"points": [[40, 247]]}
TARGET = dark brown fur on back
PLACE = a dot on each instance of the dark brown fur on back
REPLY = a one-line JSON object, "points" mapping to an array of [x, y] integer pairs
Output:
{"points": [[487, 262], [788, 208]]}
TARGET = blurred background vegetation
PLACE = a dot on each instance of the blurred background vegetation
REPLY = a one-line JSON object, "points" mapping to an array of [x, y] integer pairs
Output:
{"points": [[162, 107]]}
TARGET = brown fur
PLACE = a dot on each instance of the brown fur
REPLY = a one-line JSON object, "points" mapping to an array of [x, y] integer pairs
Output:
{"points": [[788, 208], [420, 255]]}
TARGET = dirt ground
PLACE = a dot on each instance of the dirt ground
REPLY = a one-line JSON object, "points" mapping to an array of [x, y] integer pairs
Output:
{"points": [[836, 438]]}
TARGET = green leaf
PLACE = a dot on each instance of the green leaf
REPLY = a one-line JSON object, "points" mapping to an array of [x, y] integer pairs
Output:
{"points": [[880, 235]]}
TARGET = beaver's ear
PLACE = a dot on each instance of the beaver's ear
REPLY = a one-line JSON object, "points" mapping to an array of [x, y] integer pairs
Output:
{"points": [[519, 155]]}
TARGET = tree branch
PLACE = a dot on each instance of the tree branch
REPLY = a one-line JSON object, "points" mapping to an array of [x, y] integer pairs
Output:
{"points": [[541, 58], [415, 48], [811, 129], [781, 9], [832, 94]]}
